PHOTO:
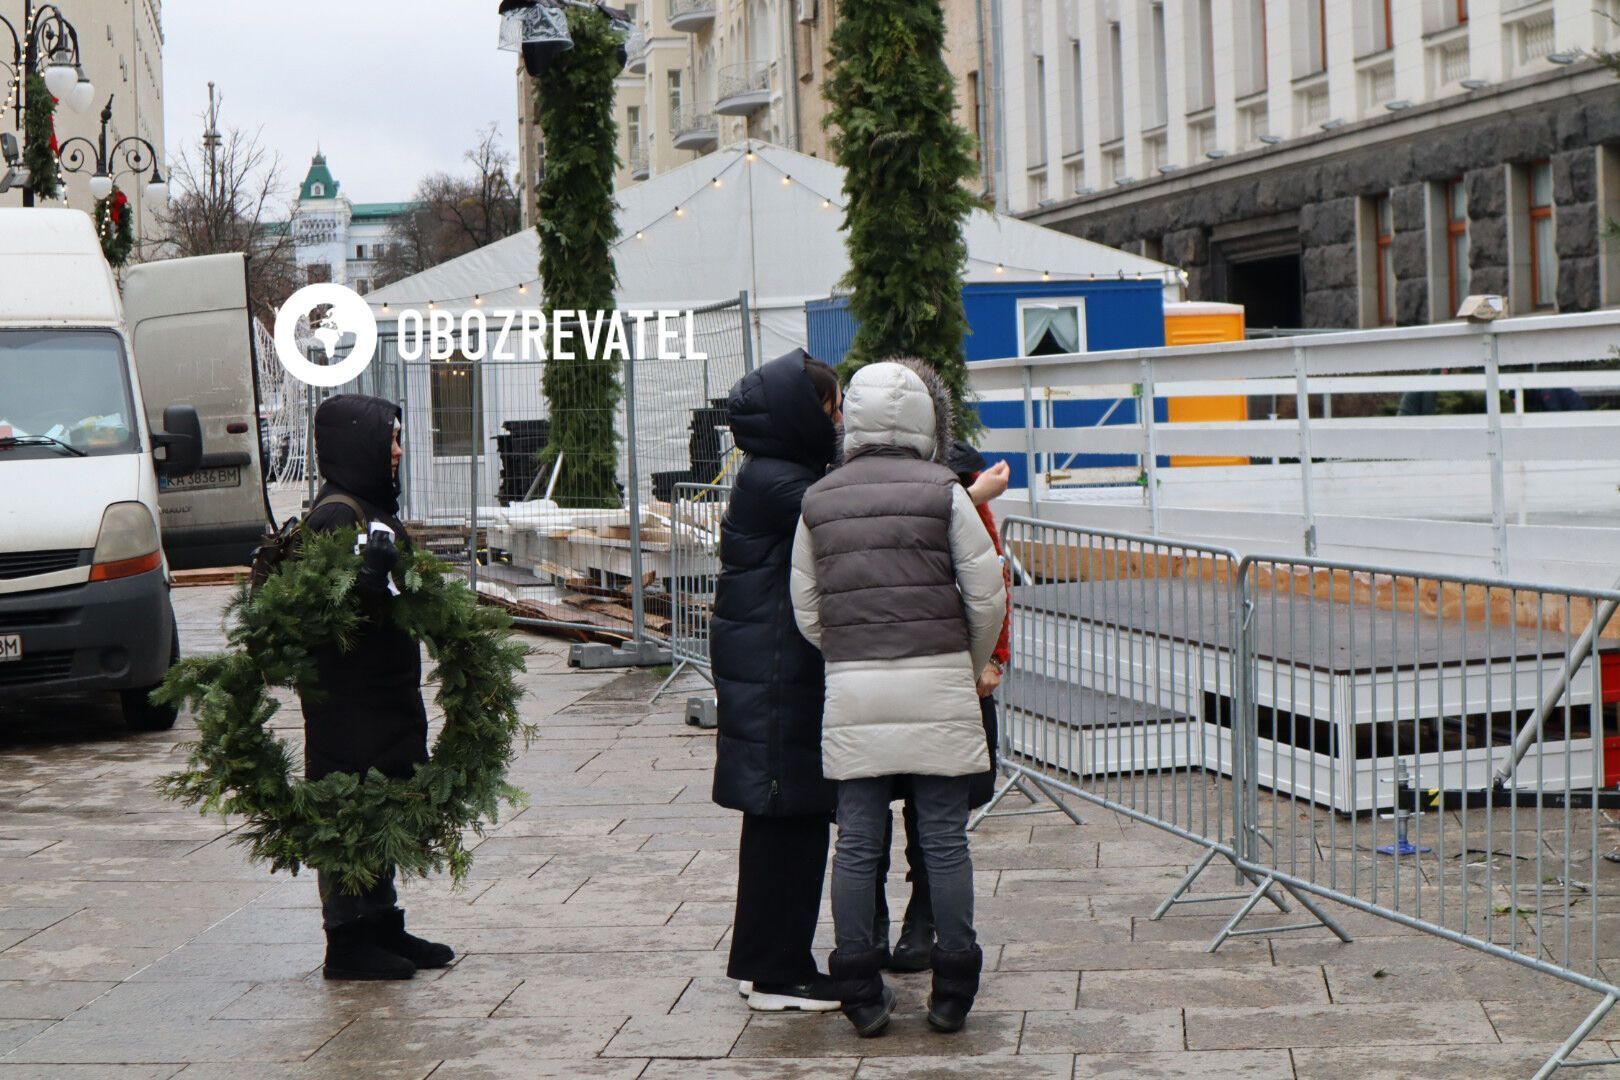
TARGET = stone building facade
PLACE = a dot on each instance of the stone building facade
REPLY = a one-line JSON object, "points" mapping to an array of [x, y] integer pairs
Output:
{"points": [[1294, 232]]}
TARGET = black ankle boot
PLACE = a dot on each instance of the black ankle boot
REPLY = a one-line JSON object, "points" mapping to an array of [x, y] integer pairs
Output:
{"points": [[391, 935], [866, 1001], [352, 952], [956, 984], [914, 950]]}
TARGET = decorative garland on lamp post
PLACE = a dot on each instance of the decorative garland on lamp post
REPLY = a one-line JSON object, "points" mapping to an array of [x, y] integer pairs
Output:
{"points": [[115, 226], [578, 227], [906, 159], [39, 140]]}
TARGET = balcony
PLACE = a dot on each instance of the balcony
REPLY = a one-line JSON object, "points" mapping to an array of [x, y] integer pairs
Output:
{"points": [[695, 128], [744, 89], [637, 47], [691, 16], [640, 162]]}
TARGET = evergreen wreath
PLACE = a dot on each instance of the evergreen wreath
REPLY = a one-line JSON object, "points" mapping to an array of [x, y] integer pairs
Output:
{"points": [[115, 225], [578, 228], [39, 140], [351, 826]]}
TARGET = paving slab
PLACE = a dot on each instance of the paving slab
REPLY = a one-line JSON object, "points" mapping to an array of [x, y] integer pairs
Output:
{"points": [[137, 943]]}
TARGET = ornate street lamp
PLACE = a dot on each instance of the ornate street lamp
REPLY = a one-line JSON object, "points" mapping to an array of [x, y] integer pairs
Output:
{"points": [[47, 44], [139, 156]]}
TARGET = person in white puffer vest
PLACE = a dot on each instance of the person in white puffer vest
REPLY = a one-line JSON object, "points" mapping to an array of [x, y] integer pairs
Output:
{"points": [[896, 581]]}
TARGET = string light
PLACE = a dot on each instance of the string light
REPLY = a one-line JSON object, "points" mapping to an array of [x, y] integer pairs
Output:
{"points": [[786, 180], [679, 212], [1045, 276], [826, 203], [1000, 269], [523, 290], [478, 300], [640, 235], [717, 181]]}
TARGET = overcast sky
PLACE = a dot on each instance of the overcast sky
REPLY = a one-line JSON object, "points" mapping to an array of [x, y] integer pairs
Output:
{"points": [[390, 89]]}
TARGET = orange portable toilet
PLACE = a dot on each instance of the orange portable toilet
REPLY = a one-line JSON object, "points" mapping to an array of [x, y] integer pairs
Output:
{"points": [[1203, 323]]}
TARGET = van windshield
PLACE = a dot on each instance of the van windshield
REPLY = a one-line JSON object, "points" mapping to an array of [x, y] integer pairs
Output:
{"points": [[64, 386]]}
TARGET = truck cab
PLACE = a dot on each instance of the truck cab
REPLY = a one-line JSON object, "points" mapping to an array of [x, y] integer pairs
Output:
{"points": [[86, 450]]}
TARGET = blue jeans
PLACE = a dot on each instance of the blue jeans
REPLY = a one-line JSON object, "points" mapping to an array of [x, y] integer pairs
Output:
{"points": [[864, 819]]}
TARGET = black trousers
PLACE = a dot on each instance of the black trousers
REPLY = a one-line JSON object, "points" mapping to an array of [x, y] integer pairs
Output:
{"points": [[339, 908], [781, 868]]}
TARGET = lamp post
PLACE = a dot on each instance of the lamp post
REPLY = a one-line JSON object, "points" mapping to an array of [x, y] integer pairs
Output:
{"points": [[47, 41], [139, 156]]}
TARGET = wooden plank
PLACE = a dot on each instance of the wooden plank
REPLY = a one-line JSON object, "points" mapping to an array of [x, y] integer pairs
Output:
{"points": [[218, 575]]}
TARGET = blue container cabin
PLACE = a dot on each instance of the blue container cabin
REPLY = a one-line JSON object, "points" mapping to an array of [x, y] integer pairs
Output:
{"points": [[1033, 318]]}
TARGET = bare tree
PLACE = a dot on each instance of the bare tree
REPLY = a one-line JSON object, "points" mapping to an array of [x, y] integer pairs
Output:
{"points": [[229, 197], [452, 215]]}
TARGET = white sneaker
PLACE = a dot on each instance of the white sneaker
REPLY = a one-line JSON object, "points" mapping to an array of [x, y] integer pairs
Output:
{"points": [[809, 997], [744, 988]]}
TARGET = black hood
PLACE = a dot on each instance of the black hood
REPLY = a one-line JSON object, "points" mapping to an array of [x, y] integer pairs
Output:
{"points": [[354, 446], [775, 413]]}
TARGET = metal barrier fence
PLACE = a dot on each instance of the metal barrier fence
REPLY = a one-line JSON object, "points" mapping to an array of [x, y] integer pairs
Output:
{"points": [[694, 569], [1426, 748]]}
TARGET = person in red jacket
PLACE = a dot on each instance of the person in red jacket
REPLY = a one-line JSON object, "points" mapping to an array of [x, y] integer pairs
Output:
{"points": [[914, 949]]}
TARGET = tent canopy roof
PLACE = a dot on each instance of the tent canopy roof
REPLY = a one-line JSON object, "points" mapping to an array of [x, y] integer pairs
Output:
{"points": [[754, 217]]}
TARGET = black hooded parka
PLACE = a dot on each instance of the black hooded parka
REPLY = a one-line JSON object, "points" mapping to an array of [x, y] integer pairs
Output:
{"points": [[768, 678], [368, 711]]}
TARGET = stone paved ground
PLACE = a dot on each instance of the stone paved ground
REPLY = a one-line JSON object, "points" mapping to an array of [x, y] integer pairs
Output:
{"points": [[137, 944]]}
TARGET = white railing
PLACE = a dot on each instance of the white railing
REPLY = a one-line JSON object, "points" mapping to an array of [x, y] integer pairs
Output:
{"points": [[1463, 490]]}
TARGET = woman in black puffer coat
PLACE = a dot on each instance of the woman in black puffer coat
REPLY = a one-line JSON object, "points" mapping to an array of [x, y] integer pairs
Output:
{"points": [[769, 683]]}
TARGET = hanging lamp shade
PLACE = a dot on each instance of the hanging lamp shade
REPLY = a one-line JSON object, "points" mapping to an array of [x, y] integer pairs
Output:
{"points": [[537, 30]]}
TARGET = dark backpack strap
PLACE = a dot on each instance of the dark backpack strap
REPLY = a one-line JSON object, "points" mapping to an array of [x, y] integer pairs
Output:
{"points": [[361, 518]]}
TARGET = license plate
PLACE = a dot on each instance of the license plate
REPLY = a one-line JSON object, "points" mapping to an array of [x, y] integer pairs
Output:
{"points": [[204, 478], [10, 647]]}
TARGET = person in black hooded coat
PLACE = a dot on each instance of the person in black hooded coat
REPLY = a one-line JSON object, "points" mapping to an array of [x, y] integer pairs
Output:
{"points": [[769, 684], [367, 712]]}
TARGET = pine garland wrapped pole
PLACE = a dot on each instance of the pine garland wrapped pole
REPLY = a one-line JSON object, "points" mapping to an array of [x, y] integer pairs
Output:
{"points": [[578, 227], [115, 226], [39, 139], [905, 159], [355, 827]]}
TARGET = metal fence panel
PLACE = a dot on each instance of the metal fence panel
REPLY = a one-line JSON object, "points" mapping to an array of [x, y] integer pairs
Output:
{"points": [[694, 569]]}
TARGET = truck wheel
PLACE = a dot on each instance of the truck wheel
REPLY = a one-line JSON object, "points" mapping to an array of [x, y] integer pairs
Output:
{"points": [[139, 712]]}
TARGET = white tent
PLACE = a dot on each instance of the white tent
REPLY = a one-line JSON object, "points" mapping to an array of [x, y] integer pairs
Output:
{"points": [[752, 217]]}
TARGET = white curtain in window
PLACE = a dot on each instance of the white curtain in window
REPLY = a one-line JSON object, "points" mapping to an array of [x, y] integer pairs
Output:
{"points": [[1063, 323]]}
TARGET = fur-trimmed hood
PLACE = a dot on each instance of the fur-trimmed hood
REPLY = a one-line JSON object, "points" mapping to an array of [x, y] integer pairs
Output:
{"points": [[898, 404]]}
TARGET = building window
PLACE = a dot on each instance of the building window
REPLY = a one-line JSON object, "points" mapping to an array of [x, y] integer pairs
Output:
{"points": [[973, 115], [1253, 72], [1462, 12], [1201, 47], [1035, 122], [1051, 326], [450, 389], [317, 191], [317, 273], [362, 286], [1115, 112], [1456, 197], [1311, 42], [1159, 89], [632, 125], [1074, 102], [1543, 252], [360, 251], [674, 101], [1384, 223]]}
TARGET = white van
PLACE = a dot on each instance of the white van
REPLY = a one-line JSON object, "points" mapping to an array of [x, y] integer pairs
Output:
{"points": [[98, 414]]}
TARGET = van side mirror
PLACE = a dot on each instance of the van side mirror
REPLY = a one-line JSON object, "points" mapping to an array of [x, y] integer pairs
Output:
{"points": [[182, 439]]}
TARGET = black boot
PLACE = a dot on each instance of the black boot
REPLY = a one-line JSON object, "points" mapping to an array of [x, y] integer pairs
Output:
{"points": [[866, 1001], [913, 952], [391, 935], [956, 984], [352, 952]]}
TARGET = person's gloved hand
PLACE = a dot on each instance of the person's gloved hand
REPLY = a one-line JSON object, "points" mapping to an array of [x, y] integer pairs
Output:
{"points": [[380, 557]]}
